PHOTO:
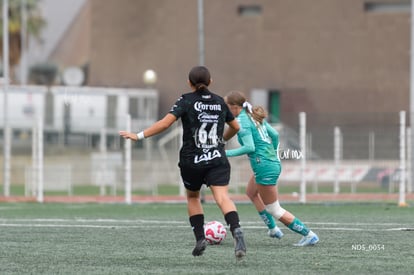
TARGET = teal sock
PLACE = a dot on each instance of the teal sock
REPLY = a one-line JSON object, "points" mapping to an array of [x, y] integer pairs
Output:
{"points": [[298, 227], [267, 219]]}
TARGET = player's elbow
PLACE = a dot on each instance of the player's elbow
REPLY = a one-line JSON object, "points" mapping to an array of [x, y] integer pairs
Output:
{"points": [[235, 127]]}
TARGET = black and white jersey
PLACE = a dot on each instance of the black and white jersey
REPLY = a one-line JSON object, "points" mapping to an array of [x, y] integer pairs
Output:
{"points": [[203, 115]]}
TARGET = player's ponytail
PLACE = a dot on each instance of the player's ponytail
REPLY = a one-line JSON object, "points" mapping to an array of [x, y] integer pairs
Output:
{"points": [[259, 114], [246, 105]]}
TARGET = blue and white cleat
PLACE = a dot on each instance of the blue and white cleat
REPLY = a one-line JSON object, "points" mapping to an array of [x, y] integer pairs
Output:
{"points": [[310, 239], [275, 233]]}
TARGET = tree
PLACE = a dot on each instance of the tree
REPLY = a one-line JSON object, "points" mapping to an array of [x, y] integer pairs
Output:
{"points": [[35, 23]]}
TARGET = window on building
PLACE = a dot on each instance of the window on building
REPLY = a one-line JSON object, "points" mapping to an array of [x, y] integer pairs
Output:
{"points": [[112, 102], [250, 10], [381, 6]]}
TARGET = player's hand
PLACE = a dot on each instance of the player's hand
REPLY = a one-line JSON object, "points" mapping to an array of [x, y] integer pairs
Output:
{"points": [[128, 135]]}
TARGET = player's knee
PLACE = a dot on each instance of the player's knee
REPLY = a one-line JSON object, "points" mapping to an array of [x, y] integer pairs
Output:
{"points": [[275, 209], [193, 194]]}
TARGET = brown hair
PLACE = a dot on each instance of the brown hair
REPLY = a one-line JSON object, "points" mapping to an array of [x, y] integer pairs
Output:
{"points": [[235, 98], [199, 77], [258, 113]]}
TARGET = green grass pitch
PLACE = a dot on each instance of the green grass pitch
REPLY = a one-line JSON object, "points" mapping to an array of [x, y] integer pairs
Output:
{"points": [[157, 239]]}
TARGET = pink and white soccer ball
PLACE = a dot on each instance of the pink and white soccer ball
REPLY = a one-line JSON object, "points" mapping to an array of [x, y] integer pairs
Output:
{"points": [[215, 232]]}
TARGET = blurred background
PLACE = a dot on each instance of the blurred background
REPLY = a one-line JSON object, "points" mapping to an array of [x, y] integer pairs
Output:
{"points": [[77, 68]]}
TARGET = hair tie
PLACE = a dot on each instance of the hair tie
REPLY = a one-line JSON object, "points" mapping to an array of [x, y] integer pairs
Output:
{"points": [[248, 106]]}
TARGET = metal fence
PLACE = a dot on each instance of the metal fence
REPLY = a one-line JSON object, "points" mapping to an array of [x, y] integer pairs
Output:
{"points": [[329, 153]]}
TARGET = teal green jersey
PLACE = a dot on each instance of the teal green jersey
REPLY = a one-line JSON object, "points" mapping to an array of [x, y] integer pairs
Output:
{"points": [[258, 141]]}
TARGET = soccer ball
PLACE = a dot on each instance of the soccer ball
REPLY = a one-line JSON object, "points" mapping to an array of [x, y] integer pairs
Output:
{"points": [[215, 232]]}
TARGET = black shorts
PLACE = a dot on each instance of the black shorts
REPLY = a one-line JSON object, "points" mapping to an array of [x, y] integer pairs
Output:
{"points": [[194, 178]]}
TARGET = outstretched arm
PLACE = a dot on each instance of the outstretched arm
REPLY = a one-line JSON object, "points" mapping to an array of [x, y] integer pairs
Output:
{"points": [[154, 129], [247, 147]]}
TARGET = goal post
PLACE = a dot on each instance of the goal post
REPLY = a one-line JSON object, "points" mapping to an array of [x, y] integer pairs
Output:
{"points": [[401, 197], [128, 170], [39, 159], [302, 137]]}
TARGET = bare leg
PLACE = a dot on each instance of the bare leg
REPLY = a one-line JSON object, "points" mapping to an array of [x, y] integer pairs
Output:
{"points": [[229, 210], [253, 193], [194, 206], [221, 196]]}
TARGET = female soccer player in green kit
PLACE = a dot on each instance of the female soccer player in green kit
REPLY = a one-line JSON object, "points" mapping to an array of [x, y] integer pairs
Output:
{"points": [[260, 142]]}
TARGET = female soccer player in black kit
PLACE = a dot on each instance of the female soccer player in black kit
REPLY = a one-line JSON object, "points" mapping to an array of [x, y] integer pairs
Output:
{"points": [[202, 156]]}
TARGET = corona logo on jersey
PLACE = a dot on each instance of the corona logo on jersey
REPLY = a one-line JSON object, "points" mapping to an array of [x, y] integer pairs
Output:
{"points": [[200, 106]]}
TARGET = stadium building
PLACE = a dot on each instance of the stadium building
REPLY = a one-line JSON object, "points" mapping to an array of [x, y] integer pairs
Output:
{"points": [[315, 56], [342, 62], [345, 63]]}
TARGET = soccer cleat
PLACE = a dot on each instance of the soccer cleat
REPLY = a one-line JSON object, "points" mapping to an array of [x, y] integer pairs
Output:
{"points": [[200, 247], [309, 239], [239, 246], [275, 233]]}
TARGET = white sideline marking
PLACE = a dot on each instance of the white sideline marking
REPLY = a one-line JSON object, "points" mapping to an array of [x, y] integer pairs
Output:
{"points": [[84, 226], [352, 223], [166, 221], [93, 220], [401, 229], [140, 223]]}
